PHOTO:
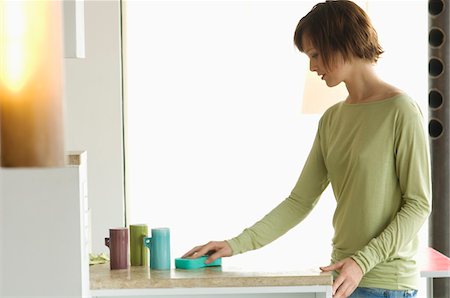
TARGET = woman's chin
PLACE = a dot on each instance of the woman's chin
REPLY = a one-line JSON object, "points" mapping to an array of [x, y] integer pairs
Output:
{"points": [[331, 84]]}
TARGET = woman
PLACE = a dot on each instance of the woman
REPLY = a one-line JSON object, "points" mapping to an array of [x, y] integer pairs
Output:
{"points": [[373, 150]]}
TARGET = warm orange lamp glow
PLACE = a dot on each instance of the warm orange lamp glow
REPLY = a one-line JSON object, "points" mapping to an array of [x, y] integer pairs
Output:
{"points": [[318, 97], [31, 78]]}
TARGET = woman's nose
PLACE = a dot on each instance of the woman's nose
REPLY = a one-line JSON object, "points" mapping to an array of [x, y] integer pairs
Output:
{"points": [[312, 66]]}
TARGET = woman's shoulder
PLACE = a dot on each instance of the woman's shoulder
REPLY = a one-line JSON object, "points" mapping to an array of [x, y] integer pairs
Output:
{"points": [[331, 115], [400, 100], [405, 105], [332, 110], [397, 105]]}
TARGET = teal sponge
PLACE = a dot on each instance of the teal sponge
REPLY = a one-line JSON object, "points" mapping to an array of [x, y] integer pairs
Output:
{"points": [[184, 263]]}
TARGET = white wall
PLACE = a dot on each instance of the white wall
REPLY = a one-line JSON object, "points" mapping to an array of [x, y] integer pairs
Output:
{"points": [[93, 115], [215, 89]]}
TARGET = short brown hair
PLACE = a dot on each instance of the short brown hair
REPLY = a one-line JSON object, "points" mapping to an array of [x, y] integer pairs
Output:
{"points": [[339, 26]]}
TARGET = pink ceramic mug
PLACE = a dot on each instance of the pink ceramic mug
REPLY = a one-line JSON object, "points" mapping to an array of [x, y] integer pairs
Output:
{"points": [[118, 248]]}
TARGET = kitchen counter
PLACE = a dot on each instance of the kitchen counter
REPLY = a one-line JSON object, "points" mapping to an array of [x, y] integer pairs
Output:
{"points": [[137, 281]]}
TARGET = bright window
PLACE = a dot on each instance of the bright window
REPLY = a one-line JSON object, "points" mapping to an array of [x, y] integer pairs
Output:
{"points": [[215, 133]]}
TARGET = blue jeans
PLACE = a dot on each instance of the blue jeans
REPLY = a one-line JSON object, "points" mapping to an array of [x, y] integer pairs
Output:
{"points": [[382, 293]]}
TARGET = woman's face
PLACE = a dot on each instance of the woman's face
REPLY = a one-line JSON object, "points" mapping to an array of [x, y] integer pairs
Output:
{"points": [[332, 76]]}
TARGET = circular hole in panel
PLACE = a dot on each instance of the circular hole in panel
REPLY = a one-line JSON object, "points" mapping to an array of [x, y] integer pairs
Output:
{"points": [[435, 7], [436, 37], [435, 67], [434, 99], [435, 128]]}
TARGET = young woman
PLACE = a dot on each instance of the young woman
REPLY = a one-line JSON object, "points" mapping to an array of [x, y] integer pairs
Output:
{"points": [[373, 150]]}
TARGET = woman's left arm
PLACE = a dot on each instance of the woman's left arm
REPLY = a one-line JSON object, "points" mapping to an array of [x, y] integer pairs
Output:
{"points": [[412, 164]]}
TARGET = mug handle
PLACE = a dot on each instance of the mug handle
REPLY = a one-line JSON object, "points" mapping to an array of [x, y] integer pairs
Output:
{"points": [[107, 242], [147, 242]]}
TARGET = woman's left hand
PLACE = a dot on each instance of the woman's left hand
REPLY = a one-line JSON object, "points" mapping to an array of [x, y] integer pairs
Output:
{"points": [[350, 274]]}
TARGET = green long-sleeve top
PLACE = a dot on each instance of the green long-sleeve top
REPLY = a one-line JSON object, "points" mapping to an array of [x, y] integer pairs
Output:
{"points": [[375, 155]]}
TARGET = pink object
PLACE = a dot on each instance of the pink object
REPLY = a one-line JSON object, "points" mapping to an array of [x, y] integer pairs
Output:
{"points": [[118, 248], [434, 264]]}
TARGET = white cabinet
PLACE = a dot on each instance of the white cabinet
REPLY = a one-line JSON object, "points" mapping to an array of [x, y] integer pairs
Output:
{"points": [[44, 231]]}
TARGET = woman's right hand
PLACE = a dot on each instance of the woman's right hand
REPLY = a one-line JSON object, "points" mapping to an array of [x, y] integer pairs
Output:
{"points": [[215, 250]]}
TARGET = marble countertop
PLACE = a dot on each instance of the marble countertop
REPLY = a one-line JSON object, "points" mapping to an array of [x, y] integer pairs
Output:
{"points": [[139, 277]]}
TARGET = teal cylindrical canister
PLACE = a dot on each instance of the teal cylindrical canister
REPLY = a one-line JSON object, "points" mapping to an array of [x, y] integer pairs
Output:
{"points": [[159, 246]]}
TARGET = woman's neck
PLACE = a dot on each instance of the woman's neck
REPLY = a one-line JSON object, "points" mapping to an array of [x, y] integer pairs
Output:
{"points": [[364, 85]]}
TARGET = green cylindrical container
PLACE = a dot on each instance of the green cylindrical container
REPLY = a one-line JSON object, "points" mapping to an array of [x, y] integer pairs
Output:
{"points": [[138, 252]]}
